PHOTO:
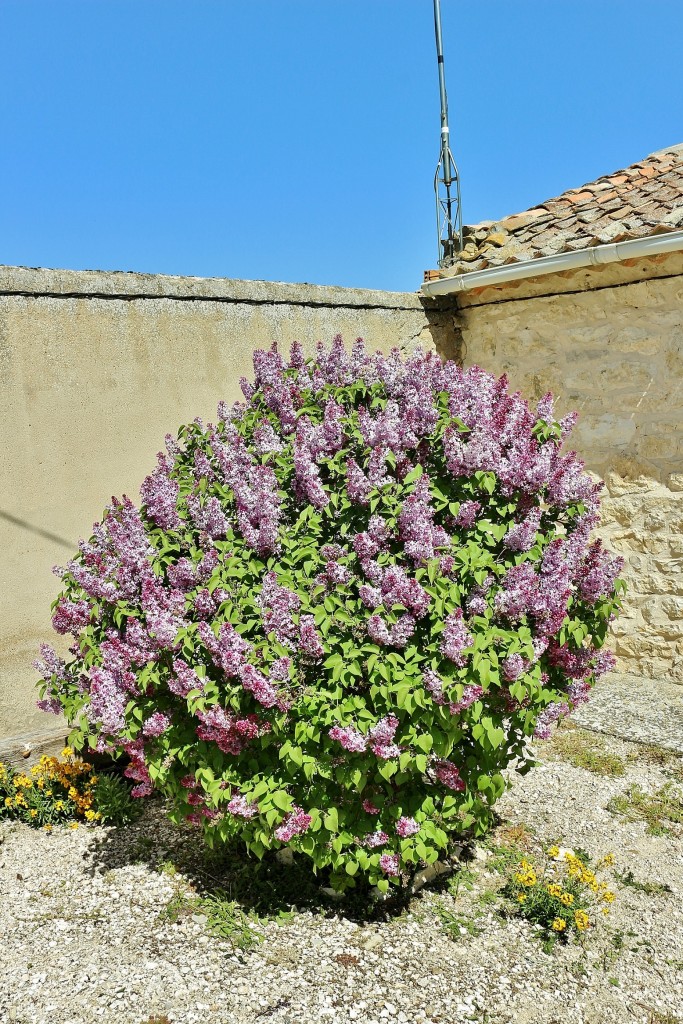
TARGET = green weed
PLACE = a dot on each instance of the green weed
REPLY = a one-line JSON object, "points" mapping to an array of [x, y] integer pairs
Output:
{"points": [[649, 888], [582, 749], [637, 805]]}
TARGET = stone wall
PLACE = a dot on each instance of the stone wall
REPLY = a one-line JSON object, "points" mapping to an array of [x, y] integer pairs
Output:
{"points": [[95, 369], [613, 352]]}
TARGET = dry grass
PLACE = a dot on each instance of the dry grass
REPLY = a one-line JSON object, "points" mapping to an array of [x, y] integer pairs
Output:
{"points": [[583, 749]]}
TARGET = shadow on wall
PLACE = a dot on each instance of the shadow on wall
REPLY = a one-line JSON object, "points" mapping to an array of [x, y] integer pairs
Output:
{"points": [[38, 531]]}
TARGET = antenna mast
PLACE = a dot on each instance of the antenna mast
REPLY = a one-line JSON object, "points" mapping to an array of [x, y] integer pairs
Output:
{"points": [[446, 179]]}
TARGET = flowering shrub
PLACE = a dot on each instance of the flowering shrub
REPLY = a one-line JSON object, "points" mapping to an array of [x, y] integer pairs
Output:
{"points": [[340, 612], [54, 792], [561, 897]]}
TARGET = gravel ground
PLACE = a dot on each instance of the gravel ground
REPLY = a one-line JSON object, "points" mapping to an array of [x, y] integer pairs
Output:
{"points": [[95, 925]]}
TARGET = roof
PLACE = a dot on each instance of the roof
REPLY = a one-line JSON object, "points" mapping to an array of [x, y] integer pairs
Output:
{"points": [[641, 200]]}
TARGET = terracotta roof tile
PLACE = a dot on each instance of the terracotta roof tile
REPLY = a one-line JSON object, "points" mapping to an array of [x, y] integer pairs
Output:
{"points": [[633, 202]]}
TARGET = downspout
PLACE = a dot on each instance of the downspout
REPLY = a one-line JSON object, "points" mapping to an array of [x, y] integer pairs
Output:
{"points": [[613, 252]]}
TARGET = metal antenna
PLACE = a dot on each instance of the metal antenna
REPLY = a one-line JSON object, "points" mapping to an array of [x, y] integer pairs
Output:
{"points": [[446, 179]]}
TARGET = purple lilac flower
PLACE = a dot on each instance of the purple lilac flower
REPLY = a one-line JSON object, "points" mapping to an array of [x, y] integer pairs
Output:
{"points": [[416, 525], [365, 546], [208, 517], [204, 604], [164, 610], [257, 684], [597, 573], [402, 631], [476, 605], [70, 616], [456, 638], [294, 824], [241, 808], [370, 596], [406, 827], [470, 694], [467, 514], [266, 440], [358, 487], [184, 679], [523, 536], [448, 774], [51, 705], [604, 662], [50, 665], [389, 863], [310, 642], [277, 605], [378, 531], [369, 807], [544, 407], [230, 733], [397, 588], [182, 575], [378, 631], [381, 738], [547, 718], [137, 769], [374, 839], [227, 650], [156, 724], [160, 495], [203, 469], [513, 666], [268, 367], [279, 670], [349, 737], [578, 693], [336, 574], [434, 685]]}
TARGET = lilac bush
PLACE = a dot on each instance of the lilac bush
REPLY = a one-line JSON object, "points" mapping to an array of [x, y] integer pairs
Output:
{"points": [[341, 612]]}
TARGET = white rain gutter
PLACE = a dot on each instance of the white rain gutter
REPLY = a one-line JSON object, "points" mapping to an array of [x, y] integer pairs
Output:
{"points": [[613, 252]]}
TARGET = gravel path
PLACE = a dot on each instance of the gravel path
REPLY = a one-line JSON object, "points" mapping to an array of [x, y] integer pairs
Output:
{"points": [[635, 708], [96, 926]]}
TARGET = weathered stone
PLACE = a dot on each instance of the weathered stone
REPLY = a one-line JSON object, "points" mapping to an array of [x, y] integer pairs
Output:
{"points": [[616, 355]]}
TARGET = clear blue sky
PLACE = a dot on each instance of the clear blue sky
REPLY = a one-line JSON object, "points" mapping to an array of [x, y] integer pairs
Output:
{"points": [[296, 140]]}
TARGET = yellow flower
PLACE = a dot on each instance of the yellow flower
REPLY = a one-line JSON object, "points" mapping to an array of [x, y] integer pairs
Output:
{"points": [[608, 896], [8, 801], [90, 815], [605, 910], [581, 920], [67, 752], [73, 824], [554, 851], [48, 792], [607, 860], [567, 899], [559, 924], [521, 897], [34, 814], [555, 890], [47, 828], [59, 806]]}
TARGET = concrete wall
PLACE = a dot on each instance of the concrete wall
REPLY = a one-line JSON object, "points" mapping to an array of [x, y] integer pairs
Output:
{"points": [[612, 350], [94, 369]]}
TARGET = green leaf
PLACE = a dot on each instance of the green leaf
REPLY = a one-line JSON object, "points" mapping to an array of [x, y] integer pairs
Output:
{"points": [[414, 475], [331, 820]]}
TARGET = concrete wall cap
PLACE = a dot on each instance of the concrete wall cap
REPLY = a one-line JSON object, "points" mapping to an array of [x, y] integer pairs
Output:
{"points": [[43, 281]]}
